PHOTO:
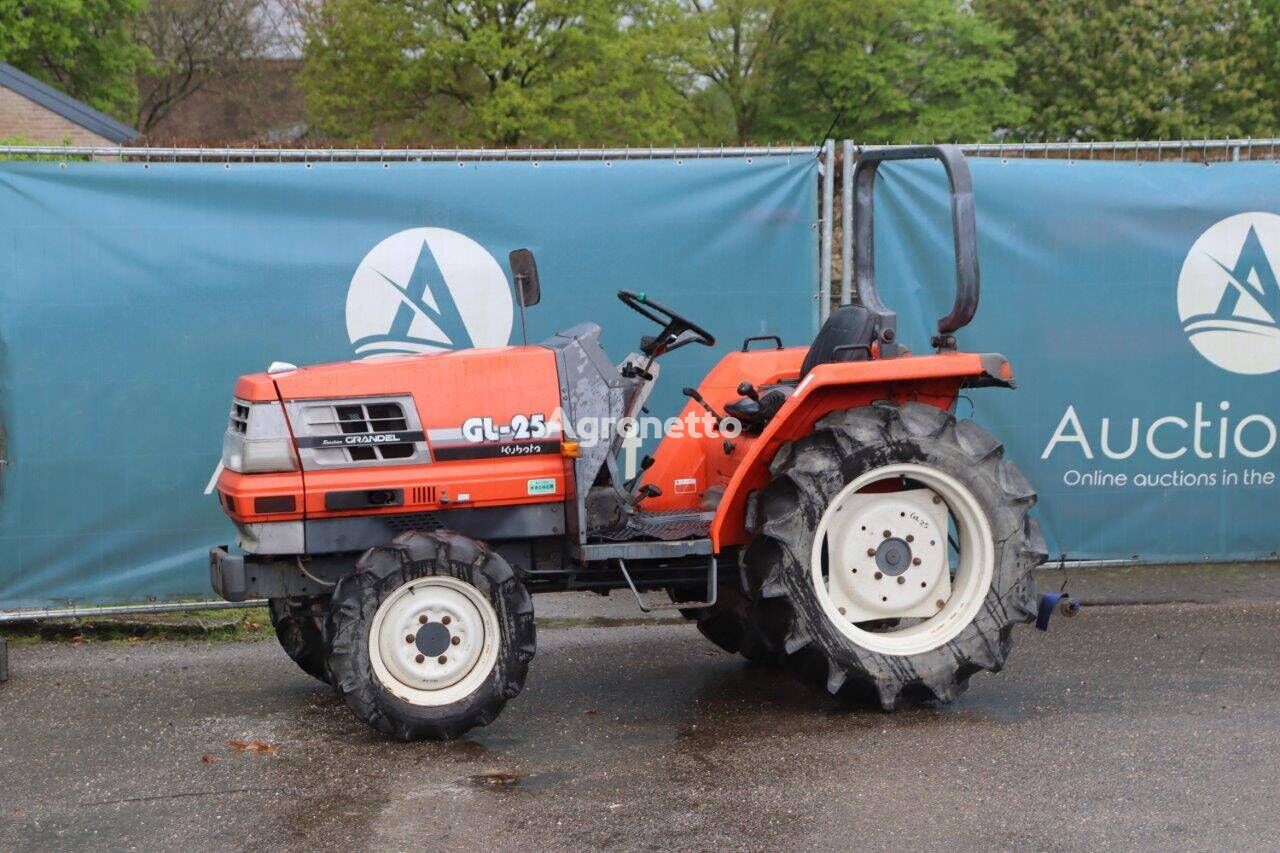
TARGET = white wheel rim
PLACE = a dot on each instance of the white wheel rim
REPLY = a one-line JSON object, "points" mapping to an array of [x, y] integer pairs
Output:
{"points": [[967, 589], [434, 641]]}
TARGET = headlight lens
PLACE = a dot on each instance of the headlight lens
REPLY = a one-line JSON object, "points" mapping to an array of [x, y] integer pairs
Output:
{"points": [[257, 439]]}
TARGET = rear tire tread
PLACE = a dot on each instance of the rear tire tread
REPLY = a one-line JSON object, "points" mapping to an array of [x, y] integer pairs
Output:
{"points": [[809, 472]]}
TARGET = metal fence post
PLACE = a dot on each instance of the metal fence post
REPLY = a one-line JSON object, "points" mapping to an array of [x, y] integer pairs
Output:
{"points": [[828, 205], [846, 223]]}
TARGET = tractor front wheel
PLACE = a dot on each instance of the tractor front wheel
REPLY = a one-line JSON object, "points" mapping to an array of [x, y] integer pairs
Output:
{"points": [[299, 624], [430, 637], [895, 553]]}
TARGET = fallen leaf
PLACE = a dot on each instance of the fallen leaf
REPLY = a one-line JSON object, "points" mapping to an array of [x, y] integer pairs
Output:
{"points": [[262, 746], [238, 745], [19, 813], [208, 759], [494, 779], [78, 640], [591, 712]]}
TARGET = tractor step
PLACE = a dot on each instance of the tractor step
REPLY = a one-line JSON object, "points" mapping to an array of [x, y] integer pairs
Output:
{"points": [[668, 526], [712, 589]]}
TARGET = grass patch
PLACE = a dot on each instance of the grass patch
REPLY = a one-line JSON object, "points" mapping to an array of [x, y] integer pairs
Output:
{"points": [[245, 623]]}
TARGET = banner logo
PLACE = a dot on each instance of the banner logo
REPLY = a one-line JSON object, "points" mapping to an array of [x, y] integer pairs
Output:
{"points": [[428, 290], [1229, 297]]}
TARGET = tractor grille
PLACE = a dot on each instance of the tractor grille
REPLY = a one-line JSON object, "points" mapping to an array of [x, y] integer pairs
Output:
{"points": [[412, 521], [373, 417], [328, 432]]}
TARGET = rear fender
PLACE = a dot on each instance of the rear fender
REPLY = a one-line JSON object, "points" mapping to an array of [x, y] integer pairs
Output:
{"points": [[931, 379]]}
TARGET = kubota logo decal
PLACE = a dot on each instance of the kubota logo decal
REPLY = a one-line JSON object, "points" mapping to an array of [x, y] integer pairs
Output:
{"points": [[427, 290], [1228, 295]]}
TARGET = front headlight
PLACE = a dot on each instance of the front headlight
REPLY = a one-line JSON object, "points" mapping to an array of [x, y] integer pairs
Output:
{"points": [[257, 439]]}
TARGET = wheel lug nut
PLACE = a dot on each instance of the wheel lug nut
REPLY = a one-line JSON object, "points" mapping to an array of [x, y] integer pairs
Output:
{"points": [[879, 575], [916, 561], [910, 538], [419, 658], [937, 499], [445, 620], [453, 641], [442, 659], [901, 579], [422, 620], [888, 533], [408, 638], [871, 552]]}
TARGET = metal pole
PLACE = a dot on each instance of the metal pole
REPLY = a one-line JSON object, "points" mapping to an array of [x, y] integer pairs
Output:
{"points": [[828, 204], [846, 224], [121, 609], [4, 659], [415, 154], [1230, 148]]}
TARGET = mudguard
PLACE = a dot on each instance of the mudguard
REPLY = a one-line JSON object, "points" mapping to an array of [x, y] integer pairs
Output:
{"points": [[931, 379]]}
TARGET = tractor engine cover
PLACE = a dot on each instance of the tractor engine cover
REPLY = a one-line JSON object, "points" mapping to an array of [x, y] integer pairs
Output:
{"points": [[407, 435]]}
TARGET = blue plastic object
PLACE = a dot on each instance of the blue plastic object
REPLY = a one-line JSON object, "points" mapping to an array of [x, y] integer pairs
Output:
{"points": [[1051, 601]]}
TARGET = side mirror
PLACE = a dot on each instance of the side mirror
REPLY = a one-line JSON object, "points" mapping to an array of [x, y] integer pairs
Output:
{"points": [[525, 272]]}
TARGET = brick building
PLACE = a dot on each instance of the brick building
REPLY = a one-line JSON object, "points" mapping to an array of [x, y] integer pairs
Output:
{"points": [[38, 113]]}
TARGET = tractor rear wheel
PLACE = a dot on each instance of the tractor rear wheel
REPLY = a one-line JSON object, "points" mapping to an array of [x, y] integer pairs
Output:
{"points": [[430, 637], [894, 553], [299, 624]]}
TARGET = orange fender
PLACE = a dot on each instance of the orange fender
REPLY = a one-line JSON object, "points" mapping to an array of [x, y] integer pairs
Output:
{"points": [[932, 379]]}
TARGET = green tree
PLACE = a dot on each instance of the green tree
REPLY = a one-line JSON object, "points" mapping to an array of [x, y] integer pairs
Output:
{"points": [[1266, 35], [1140, 69], [729, 46], [506, 72], [890, 71], [83, 47], [195, 45]]}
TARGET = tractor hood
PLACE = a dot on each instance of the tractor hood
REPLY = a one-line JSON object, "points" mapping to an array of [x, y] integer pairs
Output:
{"points": [[465, 404]]}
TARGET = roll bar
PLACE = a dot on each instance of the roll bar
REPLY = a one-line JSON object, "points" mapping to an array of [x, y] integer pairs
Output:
{"points": [[963, 229]]}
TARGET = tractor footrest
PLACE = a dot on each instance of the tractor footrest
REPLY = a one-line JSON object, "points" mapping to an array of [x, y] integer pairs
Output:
{"points": [[601, 551], [667, 526]]}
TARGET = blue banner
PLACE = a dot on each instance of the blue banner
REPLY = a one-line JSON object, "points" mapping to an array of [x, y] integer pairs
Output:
{"points": [[132, 295], [1139, 306]]}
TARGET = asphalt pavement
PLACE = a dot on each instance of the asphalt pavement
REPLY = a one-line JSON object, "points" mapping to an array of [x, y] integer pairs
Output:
{"points": [[1130, 727]]}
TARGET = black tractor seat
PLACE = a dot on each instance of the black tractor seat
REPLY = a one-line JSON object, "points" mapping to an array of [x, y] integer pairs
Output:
{"points": [[845, 336]]}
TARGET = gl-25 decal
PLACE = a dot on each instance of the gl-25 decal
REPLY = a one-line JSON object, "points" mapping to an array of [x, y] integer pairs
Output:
{"points": [[520, 428]]}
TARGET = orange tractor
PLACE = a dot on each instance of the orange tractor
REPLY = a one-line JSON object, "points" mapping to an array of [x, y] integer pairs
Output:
{"points": [[823, 509]]}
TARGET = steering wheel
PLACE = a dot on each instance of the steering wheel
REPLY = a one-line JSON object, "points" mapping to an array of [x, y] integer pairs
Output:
{"points": [[673, 325]]}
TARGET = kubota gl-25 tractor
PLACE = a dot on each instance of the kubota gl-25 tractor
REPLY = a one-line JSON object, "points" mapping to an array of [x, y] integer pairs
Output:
{"points": [[398, 512]]}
